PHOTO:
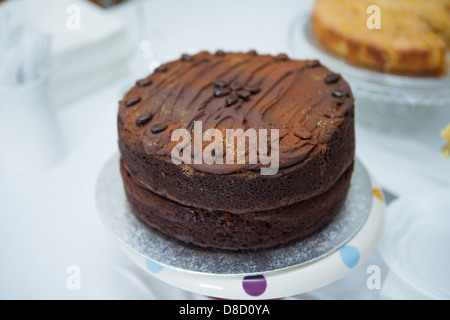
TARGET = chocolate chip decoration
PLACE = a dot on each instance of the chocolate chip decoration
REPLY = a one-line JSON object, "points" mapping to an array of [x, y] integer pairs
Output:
{"points": [[220, 53], [131, 102], [313, 64], [220, 83], [144, 119], [186, 58], [232, 99], [332, 78], [340, 93], [161, 69], [221, 92], [157, 128], [244, 94], [281, 57], [252, 53], [143, 82], [234, 91]]}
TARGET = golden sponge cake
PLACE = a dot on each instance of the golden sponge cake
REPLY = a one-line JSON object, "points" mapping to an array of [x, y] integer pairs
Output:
{"points": [[411, 40]]}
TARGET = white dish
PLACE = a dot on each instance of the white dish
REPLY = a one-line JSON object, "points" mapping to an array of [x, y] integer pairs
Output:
{"points": [[415, 242]]}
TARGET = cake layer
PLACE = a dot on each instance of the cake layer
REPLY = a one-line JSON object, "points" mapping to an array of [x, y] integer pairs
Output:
{"points": [[226, 230], [311, 107]]}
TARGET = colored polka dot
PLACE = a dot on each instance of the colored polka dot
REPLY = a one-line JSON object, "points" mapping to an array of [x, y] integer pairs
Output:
{"points": [[350, 256], [378, 193], [153, 267], [254, 285]]}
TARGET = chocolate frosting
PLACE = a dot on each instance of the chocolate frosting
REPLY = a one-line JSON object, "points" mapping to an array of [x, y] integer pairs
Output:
{"points": [[237, 90]]}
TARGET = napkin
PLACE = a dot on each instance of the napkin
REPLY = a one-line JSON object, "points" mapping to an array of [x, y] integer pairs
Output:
{"points": [[24, 52], [85, 55]]}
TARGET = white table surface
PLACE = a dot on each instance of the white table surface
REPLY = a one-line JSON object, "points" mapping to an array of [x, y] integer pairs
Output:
{"points": [[48, 218]]}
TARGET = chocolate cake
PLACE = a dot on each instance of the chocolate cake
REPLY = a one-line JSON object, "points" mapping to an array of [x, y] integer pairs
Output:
{"points": [[234, 205]]}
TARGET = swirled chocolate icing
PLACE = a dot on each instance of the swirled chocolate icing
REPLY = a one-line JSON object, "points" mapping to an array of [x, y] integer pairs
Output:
{"points": [[235, 206], [302, 99]]}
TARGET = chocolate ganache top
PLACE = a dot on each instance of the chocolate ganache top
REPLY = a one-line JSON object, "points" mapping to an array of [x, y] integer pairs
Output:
{"points": [[304, 100]]}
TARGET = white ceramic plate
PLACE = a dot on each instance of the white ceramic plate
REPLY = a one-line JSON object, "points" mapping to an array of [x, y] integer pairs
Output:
{"points": [[416, 241]]}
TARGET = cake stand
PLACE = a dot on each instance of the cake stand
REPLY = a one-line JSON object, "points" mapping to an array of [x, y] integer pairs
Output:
{"points": [[298, 267]]}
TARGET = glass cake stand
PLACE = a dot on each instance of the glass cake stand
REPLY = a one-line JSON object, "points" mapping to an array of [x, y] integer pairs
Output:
{"points": [[383, 100], [299, 267]]}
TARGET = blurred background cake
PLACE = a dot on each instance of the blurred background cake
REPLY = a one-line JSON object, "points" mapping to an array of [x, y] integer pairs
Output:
{"points": [[412, 37]]}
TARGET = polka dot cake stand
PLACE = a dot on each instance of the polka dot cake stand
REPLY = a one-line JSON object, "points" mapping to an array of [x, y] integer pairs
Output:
{"points": [[299, 267]]}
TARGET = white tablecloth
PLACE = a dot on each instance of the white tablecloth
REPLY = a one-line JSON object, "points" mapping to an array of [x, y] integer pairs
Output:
{"points": [[48, 218]]}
